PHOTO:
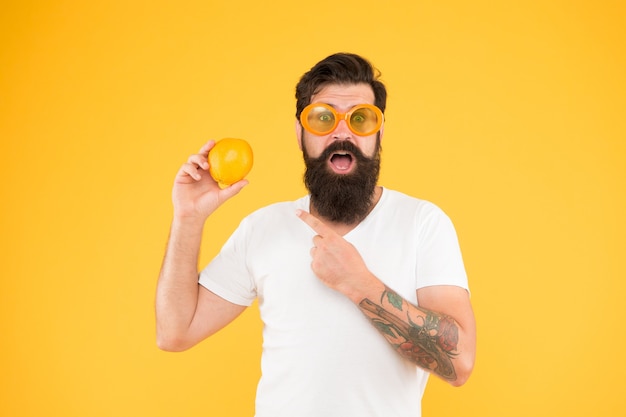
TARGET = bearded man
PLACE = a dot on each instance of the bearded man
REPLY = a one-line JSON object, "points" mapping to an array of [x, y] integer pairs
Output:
{"points": [[362, 289]]}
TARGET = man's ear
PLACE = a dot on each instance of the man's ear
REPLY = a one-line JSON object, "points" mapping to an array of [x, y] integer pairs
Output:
{"points": [[299, 133]]}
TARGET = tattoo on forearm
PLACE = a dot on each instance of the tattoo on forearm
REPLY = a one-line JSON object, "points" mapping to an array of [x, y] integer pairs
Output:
{"points": [[428, 339]]}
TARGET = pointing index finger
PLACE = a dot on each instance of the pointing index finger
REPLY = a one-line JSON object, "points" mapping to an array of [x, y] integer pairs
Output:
{"points": [[315, 223]]}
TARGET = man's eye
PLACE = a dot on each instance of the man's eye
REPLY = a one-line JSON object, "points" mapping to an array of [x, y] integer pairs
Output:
{"points": [[359, 118], [326, 118]]}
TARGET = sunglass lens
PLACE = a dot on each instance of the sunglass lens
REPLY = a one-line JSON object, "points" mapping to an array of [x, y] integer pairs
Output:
{"points": [[321, 119], [364, 120]]}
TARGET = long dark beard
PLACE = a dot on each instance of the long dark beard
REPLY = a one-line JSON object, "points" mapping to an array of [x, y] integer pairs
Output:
{"points": [[342, 198]]}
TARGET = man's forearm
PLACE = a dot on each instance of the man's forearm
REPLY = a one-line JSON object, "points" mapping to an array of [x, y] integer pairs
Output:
{"points": [[177, 289], [427, 338]]}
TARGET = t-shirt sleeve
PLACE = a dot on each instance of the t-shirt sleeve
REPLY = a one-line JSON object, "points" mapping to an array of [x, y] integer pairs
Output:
{"points": [[227, 275], [439, 257]]}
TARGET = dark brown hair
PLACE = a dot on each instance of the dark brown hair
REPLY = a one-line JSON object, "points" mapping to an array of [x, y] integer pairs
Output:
{"points": [[340, 68]]}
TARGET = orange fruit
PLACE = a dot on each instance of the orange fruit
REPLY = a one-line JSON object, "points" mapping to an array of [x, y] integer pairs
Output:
{"points": [[230, 160]]}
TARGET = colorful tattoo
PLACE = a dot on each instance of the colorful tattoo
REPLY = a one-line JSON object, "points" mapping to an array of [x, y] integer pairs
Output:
{"points": [[428, 339]]}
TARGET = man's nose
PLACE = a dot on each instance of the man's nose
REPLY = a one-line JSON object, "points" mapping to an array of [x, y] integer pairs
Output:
{"points": [[342, 131]]}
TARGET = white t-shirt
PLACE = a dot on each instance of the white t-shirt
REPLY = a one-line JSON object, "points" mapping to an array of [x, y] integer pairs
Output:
{"points": [[321, 355]]}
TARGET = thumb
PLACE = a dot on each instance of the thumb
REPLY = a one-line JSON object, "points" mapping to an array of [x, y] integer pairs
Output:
{"points": [[233, 189]]}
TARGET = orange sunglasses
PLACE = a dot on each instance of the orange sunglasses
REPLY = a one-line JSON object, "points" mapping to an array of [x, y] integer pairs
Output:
{"points": [[321, 119]]}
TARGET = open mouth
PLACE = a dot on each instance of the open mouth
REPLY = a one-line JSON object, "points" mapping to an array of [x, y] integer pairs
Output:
{"points": [[341, 162]]}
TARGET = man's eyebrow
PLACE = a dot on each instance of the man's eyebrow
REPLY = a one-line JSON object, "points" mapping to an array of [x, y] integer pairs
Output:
{"points": [[334, 106]]}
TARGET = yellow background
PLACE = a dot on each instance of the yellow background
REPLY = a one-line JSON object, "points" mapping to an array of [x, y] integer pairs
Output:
{"points": [[509, 115]]}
